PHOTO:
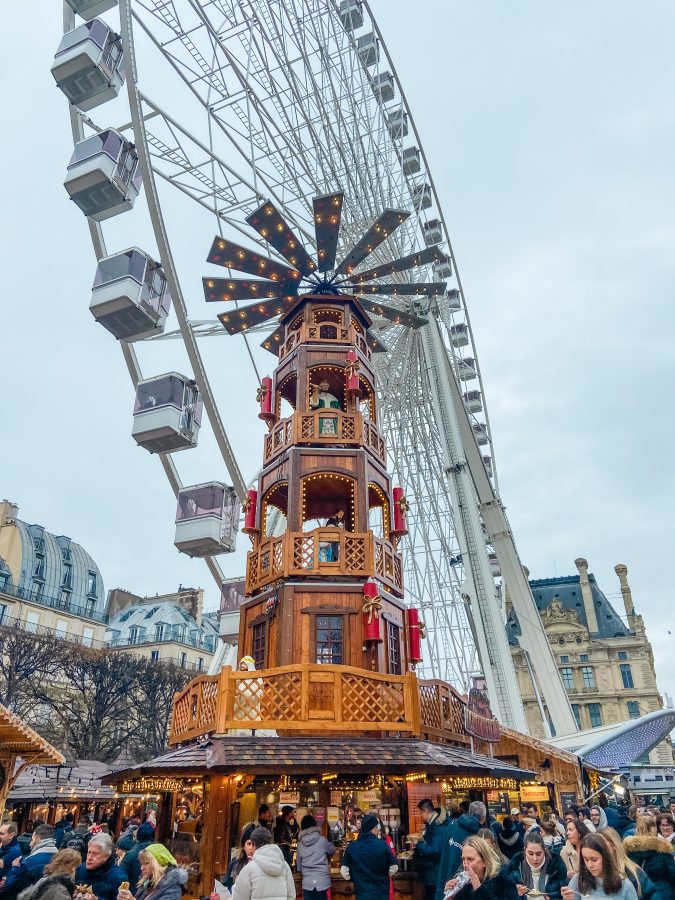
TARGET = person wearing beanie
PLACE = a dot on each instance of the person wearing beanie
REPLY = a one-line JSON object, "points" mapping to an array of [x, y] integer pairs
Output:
{"points": [[160, 878], [369, 862], [131, 863], [314, 851]]}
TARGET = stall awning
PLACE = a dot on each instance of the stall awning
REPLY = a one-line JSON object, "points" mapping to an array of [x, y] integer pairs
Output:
{"points": [[79, 782], [19, 739], [269, 755]]}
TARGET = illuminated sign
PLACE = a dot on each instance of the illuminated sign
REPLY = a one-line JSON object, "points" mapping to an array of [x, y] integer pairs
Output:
{"points": [[534, 793], [151, 785], [480, 783]]}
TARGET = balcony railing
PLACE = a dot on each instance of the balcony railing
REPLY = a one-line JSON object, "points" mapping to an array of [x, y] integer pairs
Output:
{"points": [[297, 554], [324, 426], [82, 612], [314, 698], [313, 334]]}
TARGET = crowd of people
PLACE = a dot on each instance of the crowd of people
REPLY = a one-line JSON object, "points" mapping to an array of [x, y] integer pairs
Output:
{"points": [[82, 862], [591, 852]]}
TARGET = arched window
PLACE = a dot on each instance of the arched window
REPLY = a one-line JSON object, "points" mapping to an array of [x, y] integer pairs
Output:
{"points": [[378, 511], [275, 510]]}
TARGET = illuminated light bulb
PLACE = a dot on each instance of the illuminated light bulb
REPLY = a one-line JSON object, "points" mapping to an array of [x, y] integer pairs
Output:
{"points": [[280, 226], [221, 245], [269, 210], [210, 284], [241, 254], [226, 296]]}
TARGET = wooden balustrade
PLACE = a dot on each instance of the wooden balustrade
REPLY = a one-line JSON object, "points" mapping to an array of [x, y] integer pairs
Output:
{"points": [[324, 426], [320, 334], [316, 698], [295, 554]]}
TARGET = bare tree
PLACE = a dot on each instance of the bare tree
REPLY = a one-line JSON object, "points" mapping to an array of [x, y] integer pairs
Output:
{"points": [[157, 684], [27, 661]]}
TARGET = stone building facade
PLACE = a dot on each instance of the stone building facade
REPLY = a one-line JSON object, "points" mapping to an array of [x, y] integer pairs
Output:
{"points": [[606, 663]]}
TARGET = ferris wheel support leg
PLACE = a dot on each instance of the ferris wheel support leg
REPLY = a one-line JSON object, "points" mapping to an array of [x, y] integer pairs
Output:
{"points": [[493, 647], [166, 255]]}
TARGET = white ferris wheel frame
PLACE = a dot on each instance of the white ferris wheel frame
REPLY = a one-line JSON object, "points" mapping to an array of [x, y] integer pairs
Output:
{"points": [[460, 509]]}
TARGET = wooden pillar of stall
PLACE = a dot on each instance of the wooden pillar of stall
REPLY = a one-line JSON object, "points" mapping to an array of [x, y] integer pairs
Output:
{"points": [[219, 791]]}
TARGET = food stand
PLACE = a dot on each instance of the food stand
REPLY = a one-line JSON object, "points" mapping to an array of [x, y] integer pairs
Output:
{"points": [[20, 747]]}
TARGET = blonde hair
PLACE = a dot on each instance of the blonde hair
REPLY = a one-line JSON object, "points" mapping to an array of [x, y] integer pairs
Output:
{"points": [[623, 862], [63, 863], [486, 853], [157, 871], [646, 825]]}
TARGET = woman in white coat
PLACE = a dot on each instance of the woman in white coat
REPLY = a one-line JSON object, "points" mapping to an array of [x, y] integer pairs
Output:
{"points": [[267, 876]]}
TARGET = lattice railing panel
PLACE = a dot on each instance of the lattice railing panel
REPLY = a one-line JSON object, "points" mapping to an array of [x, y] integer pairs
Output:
{"points": [[430, 707], [194, 709], [355, 554], [365, 700], [303, 553]]}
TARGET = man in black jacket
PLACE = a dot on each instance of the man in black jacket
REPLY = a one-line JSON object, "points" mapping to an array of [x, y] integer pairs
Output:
{"points": [[429, 850], [369, 862], [536, 869]]}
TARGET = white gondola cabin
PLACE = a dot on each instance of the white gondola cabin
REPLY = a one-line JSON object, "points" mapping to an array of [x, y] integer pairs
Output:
{"points": [[129, 296], [103, 177], [433, 232], [487, 460], [467, 368], [368, 49], [167, 413], [422, 196], [494, 565], [473, 400], [442, 269], [383, 87], [89, 9], [351, 14], [453, 300], [89, 66], [411, 161], [459, 335], [207, 519], [397, 123], [481, 433]]}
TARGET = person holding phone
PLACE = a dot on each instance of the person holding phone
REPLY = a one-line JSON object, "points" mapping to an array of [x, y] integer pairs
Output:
{"points": [[486, 880], [599, 875]]}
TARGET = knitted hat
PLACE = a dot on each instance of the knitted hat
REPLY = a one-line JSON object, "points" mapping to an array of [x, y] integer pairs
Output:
{"points": [[368, 823], [161, 854], [145, 833]]}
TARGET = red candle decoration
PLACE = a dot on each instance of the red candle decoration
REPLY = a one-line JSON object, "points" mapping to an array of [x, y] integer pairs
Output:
{"points": [[264, 398], [416, 632], [250, 507], [401, 507], [372, 604], [352, 374]]}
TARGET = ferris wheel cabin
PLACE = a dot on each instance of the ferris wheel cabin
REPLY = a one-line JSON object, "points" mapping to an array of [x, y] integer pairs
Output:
{"points": [[167, 413], [130, 296], [207, 519], [467, 368], [103, 177], [88, 9], [89, 67]]}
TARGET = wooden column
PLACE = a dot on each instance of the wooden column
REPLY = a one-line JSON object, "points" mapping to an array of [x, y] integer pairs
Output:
{"points": [[214, 851]]}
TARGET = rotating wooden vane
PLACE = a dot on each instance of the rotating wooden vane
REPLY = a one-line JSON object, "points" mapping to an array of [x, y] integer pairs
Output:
{"points": [[275, 287]]}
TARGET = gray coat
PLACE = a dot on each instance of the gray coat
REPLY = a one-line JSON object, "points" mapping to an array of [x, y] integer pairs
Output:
{"points": [[169, 887], [312, 859]]}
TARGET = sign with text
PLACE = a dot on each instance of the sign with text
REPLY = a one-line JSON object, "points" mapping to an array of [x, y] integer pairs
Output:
{"points": [[534, 793]]}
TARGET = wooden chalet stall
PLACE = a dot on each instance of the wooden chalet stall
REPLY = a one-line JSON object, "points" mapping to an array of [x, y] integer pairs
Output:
{"points": [[20, 747], [325, 711]]}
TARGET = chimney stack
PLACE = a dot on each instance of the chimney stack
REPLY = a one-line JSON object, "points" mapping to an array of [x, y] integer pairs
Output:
{"points": [[622, 572], [587, 596]]}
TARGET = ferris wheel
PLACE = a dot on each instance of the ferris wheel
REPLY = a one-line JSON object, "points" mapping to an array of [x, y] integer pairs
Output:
{"points": [[230, 104]]}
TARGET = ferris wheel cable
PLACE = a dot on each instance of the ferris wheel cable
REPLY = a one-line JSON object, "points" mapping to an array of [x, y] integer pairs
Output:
{"points": [[447, 233], [258, 197], [166, 255]]}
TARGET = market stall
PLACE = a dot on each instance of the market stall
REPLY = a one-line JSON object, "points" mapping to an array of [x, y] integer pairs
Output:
{"points": [[336, 779], [20, 747]]}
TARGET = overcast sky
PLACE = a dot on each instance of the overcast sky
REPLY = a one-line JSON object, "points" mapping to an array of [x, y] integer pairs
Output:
{"points": [[550, 133]]}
